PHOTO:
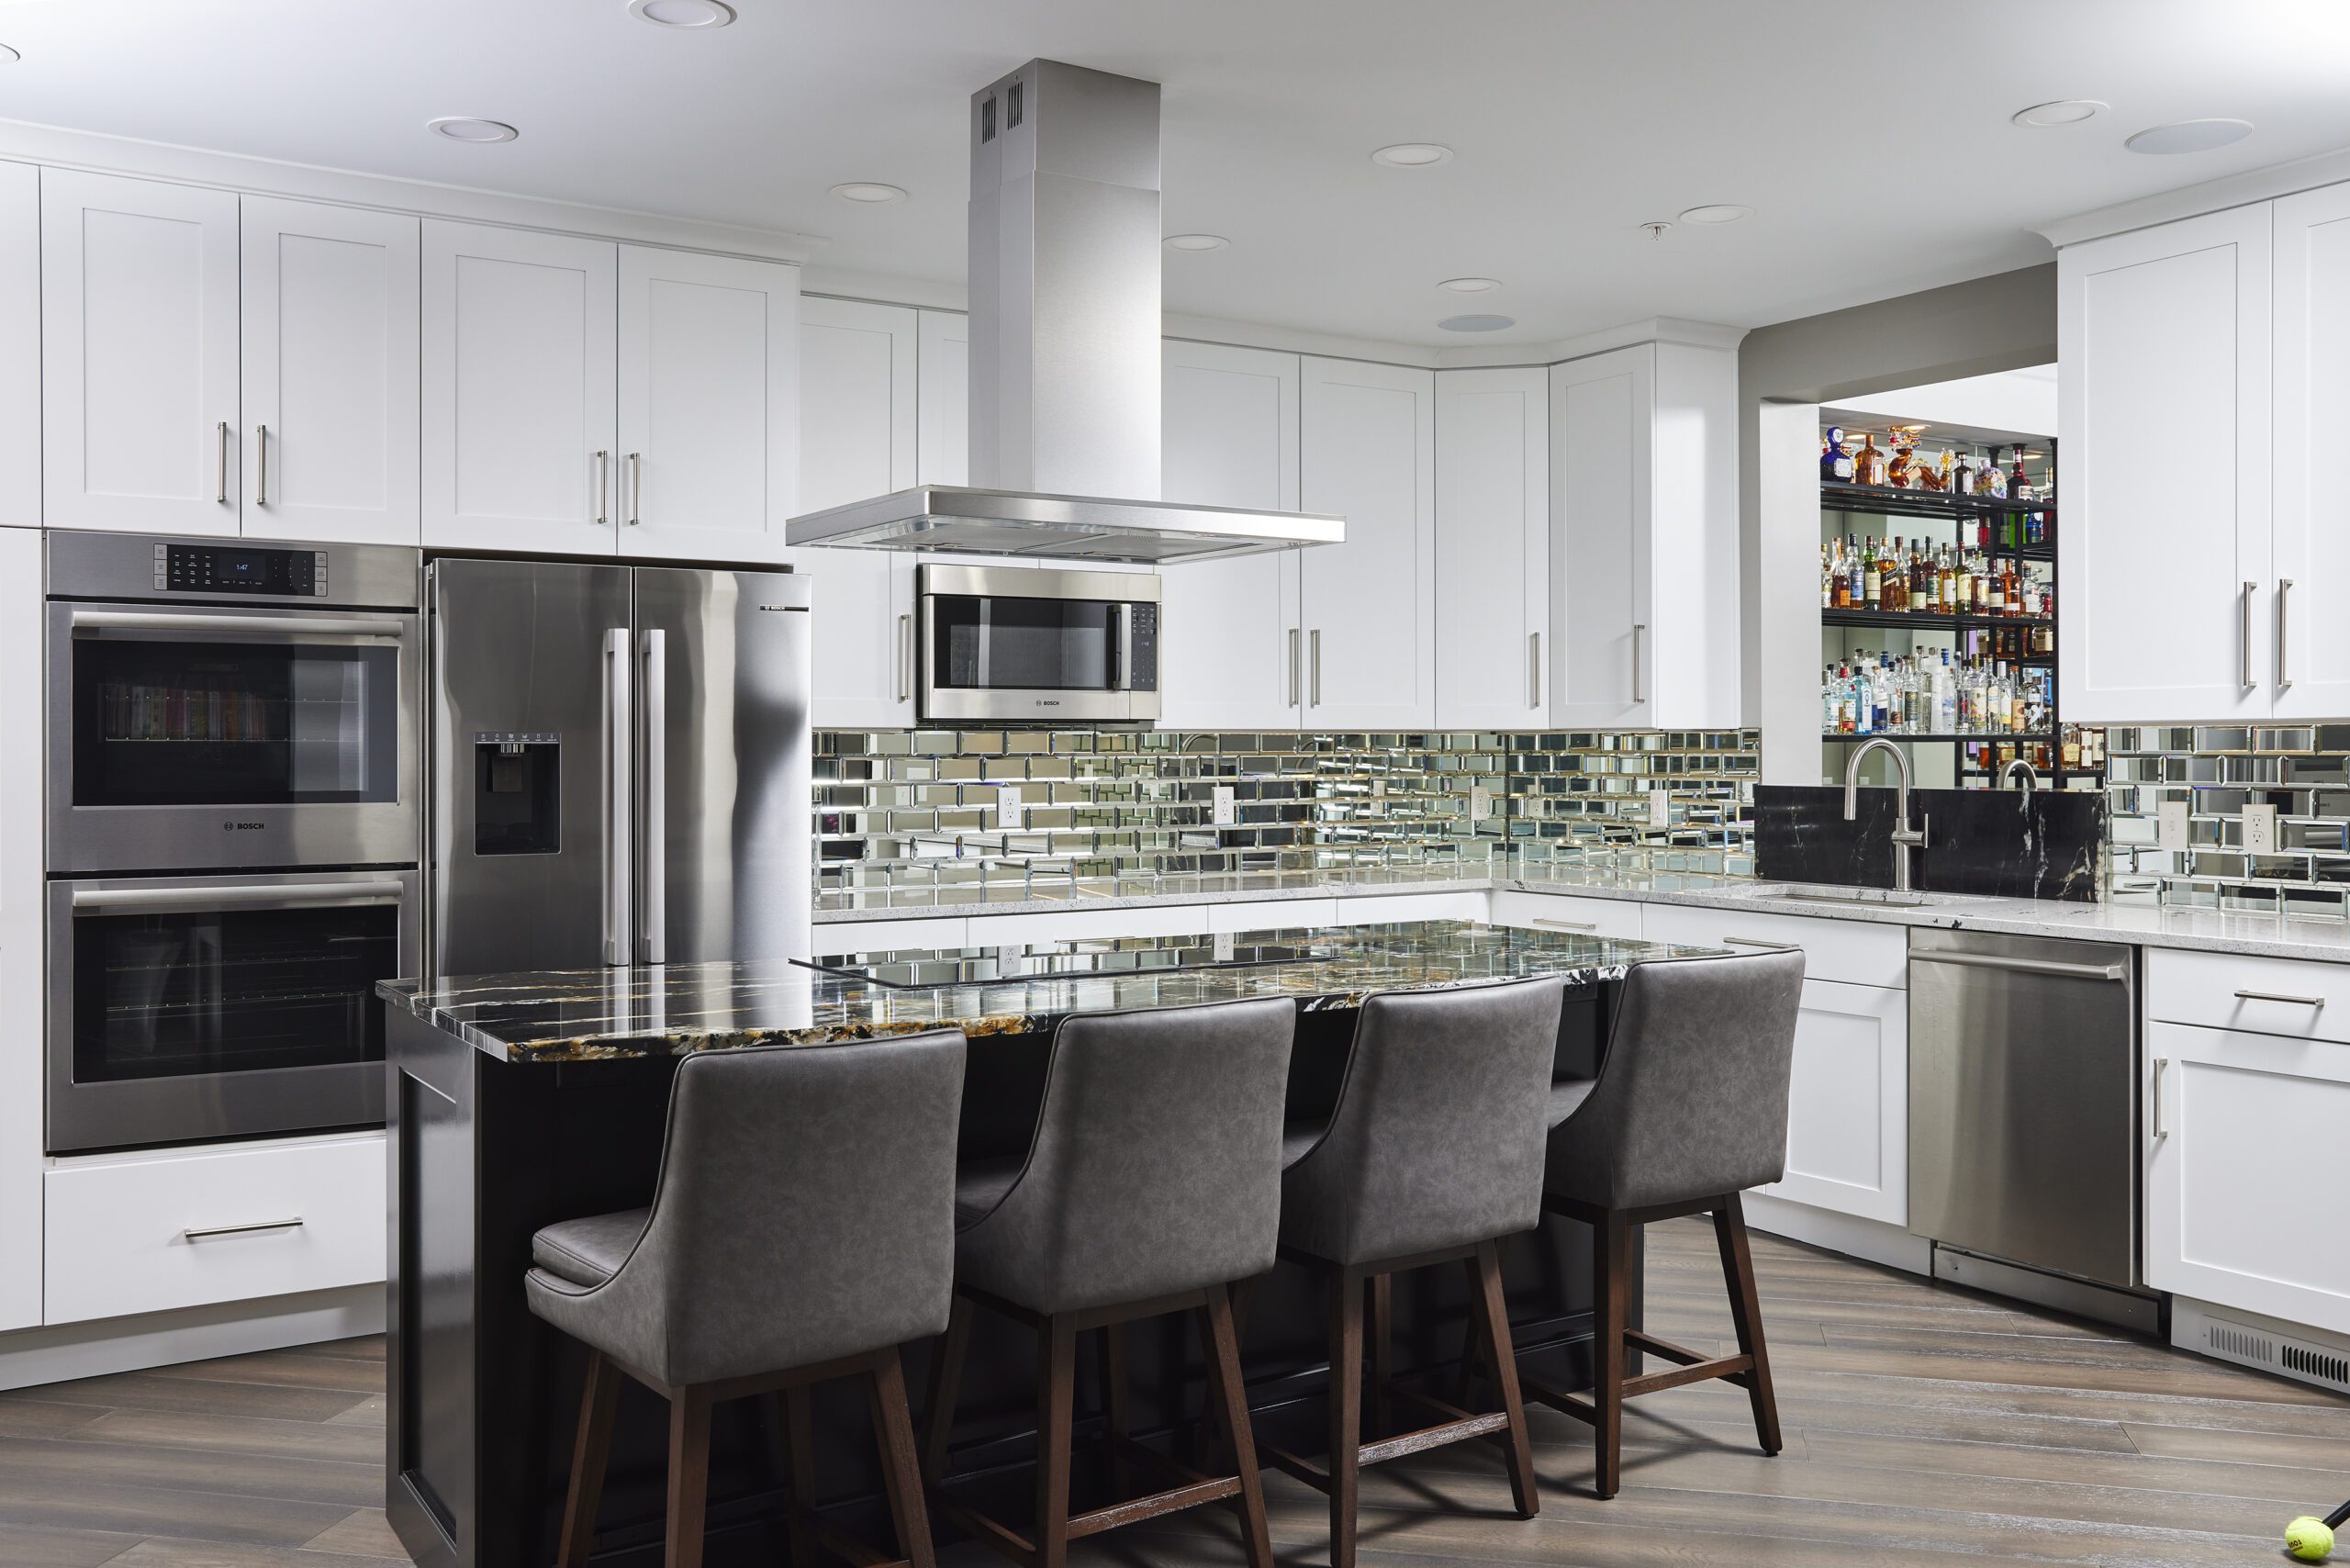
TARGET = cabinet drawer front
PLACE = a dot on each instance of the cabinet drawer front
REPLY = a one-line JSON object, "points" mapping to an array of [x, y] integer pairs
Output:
{"points": [[932, 934], [1851, 952], [2293, 997], [147, 1235], [1381, 908], [1276, 915], [1084, 924], [1564, 912]]}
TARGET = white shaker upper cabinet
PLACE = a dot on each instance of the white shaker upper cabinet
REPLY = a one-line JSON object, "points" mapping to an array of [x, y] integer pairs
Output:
{"points": [[138, 333], [1232, 654], [1493, 523], [945, 400], [330, 366], [857, 441], [20, 346], [2310, 535], [1603, 553], [1368, 454], [518, 391], [709, 404], [2163, 493]]}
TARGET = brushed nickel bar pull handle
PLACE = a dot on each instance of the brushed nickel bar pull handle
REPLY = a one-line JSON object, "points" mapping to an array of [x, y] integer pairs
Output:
{"points": [[239, 896], [635, 488], [1638, 631], [2162, 1123], [231, 623], [618, 816], [1534, 667], [2313, 1002], [603, 487], [652, 919], [199, 1233], [2243, 637], [1316, 640], [2051, 967], [2284, 634], [260, 488], [1292, 667], [1757, 942], [905, 658], [1565, 925], [221, 461]]}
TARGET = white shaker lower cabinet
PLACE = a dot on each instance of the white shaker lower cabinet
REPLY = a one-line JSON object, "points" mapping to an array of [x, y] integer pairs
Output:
{"points": [[1493, 563], [139, 355], [1366, 436], [20, 345], [1231, 655], [519, 390]]}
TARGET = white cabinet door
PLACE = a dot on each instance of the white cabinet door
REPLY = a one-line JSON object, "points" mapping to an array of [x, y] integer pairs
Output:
{"points": [[1368, 454], [518, 391], [139, 354], [2244, 1178], [1848, 1105], [1601, 544], [2162, 532], [857, 436], [1230, 656], [331, 365], [1493, 557], [709, 404], [2310, 534], [19, 348], [944, 457]]}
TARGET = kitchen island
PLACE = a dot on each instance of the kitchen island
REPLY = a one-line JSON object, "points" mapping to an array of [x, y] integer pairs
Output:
{"points": [[519, 1100]]}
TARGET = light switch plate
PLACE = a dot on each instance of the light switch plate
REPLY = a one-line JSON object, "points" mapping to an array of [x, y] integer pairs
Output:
{"points": [[2260, 830], [1660, 808], [1224, 815], [1007, 807], [2170, 826], [1480, 802], [1224, 946]]}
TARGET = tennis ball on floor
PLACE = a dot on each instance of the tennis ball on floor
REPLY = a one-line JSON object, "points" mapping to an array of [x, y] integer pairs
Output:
{"points": [[2309, 1540]]}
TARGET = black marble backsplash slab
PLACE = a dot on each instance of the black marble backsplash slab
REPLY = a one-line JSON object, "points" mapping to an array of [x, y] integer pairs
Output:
{"points": [[2047, 844]]}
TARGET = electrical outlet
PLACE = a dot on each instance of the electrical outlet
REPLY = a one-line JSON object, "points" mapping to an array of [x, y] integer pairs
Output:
{"points": [[1480, 802], [1007, 807], [1224, 814], [1224, 946], [1379, 787], [1660, 808], [2170, 826], [2260, 830]]}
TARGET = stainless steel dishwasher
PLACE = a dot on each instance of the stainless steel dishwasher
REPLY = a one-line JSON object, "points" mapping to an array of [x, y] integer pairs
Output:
{"points": [[2023, 1140]]}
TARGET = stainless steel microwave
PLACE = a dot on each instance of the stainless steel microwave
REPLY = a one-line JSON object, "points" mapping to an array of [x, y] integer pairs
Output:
{"points": [[1021, 645]]}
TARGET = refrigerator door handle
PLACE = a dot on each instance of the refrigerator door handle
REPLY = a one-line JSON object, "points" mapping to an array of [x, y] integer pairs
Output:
{"points": [[617, 733], [652, 930]]}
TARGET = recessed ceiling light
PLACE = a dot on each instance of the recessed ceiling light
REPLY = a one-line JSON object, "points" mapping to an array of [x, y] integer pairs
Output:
{"points": [[1719, 212], [9, 56], [462, 127], [2190, 136], [1476, 323], [1470, 284], [868, 192], [2063, 111], [681, 13], [1413, 155], [1195, 241]]}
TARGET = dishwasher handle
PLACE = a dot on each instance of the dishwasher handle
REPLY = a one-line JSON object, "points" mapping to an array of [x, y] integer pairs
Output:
{"points": [[2115, 971]]}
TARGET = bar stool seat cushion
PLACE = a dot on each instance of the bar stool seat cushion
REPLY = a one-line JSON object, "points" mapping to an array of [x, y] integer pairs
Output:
{"points": [[1567, 1094], [588, 1252], [979, 1186], [1298, 1139]]}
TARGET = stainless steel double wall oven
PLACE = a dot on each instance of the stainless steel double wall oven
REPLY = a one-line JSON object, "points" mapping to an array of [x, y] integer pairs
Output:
{"points": [[234, 780]]}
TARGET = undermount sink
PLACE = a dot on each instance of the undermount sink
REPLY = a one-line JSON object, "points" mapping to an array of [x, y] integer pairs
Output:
{"points": [[1807, 892]]}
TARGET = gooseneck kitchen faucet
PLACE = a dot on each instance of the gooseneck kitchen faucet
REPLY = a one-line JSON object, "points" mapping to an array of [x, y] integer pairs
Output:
{"points": [[1905, 838]]}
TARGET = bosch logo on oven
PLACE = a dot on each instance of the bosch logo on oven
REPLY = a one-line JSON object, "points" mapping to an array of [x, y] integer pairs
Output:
{"points": [[242, 827]]}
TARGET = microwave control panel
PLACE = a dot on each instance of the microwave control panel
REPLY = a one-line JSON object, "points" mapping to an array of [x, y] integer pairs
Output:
{"points": [[1144, 646], [237, 569]]}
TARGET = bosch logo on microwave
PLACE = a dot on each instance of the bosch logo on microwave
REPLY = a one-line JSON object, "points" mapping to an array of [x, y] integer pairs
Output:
{"points": [[1049, 701], [242, 827]]}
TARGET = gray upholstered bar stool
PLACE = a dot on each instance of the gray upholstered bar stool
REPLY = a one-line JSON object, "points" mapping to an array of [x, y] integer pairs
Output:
{"points": [[1689, 1110], [803, 1229], [1433, 1154], [1152, 1183]]}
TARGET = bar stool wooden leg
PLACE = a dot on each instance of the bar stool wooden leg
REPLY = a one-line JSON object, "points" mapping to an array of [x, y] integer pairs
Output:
{"points": [[1056, 1403], [1746, 1315], [1112, 1366], [588, 1456], [901, 1474], [1229, 1398], [688, 1475], [1493, 1309], [945, 1382], [1379, 1328], [800, 1452], [1611, 1269], [1345, 1412]]}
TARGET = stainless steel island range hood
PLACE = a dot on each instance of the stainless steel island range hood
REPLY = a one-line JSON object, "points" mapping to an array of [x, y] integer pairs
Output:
{"points": [[1064, 349]]}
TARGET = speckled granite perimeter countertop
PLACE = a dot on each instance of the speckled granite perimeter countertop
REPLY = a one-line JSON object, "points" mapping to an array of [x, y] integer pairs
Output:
{"points": [[601, 1015]]}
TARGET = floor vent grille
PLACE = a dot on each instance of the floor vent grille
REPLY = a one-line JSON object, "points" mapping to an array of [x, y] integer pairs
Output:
{"points": [[2272, 1352]]}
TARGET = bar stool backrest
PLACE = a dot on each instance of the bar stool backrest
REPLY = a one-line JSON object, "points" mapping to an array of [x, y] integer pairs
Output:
{"points": [[1692, 1099]]}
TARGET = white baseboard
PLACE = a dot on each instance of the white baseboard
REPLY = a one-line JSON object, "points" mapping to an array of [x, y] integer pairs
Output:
{"points": [[37, 1355], [1871, 1240]]}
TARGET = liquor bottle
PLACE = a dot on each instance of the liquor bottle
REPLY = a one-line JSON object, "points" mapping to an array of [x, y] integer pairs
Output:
{"points": [[1947, 585], [1854, 598], [1872, 577], [1835, 462], [2035, 528], [2011, 588], [1868, 463], [2018, 486], [1962, 477], [1992, 480], [1893, 582]]}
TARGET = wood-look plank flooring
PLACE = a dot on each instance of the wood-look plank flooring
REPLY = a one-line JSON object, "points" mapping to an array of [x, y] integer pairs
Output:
{"points": [[1926, 1427]]}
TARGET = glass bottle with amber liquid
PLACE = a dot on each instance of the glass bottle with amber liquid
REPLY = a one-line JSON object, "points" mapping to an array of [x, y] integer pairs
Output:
{"points": [[1868, 463]]}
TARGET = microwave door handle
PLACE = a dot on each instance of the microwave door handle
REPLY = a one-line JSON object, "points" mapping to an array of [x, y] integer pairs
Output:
{"points": [[231, 623], [243, 895], [1123, 678], [653, 924], [617, 735]]}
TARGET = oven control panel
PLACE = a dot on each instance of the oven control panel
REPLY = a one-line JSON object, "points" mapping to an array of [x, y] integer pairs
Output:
{"points": [[238, 569]]}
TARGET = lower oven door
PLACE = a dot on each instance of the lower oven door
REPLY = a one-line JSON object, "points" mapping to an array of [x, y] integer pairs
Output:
{"points": [[186, 1008]]}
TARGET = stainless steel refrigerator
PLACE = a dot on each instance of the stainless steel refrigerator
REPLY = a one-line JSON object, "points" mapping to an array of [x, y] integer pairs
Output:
{"points": [[619, 766]]}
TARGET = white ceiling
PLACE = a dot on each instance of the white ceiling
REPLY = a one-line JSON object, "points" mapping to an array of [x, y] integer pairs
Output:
{"points": [[1873, 139]]}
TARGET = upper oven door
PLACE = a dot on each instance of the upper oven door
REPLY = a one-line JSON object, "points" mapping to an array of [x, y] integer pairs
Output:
{"points": [[1020, 644], [191, 737]]}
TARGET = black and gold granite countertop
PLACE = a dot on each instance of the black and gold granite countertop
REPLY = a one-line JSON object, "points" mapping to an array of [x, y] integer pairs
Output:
{"points": [[602, 1014]]}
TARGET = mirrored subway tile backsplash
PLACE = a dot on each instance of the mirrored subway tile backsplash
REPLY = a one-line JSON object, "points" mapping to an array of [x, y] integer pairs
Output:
{"points": [[928, 817], [2216, 771]]}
